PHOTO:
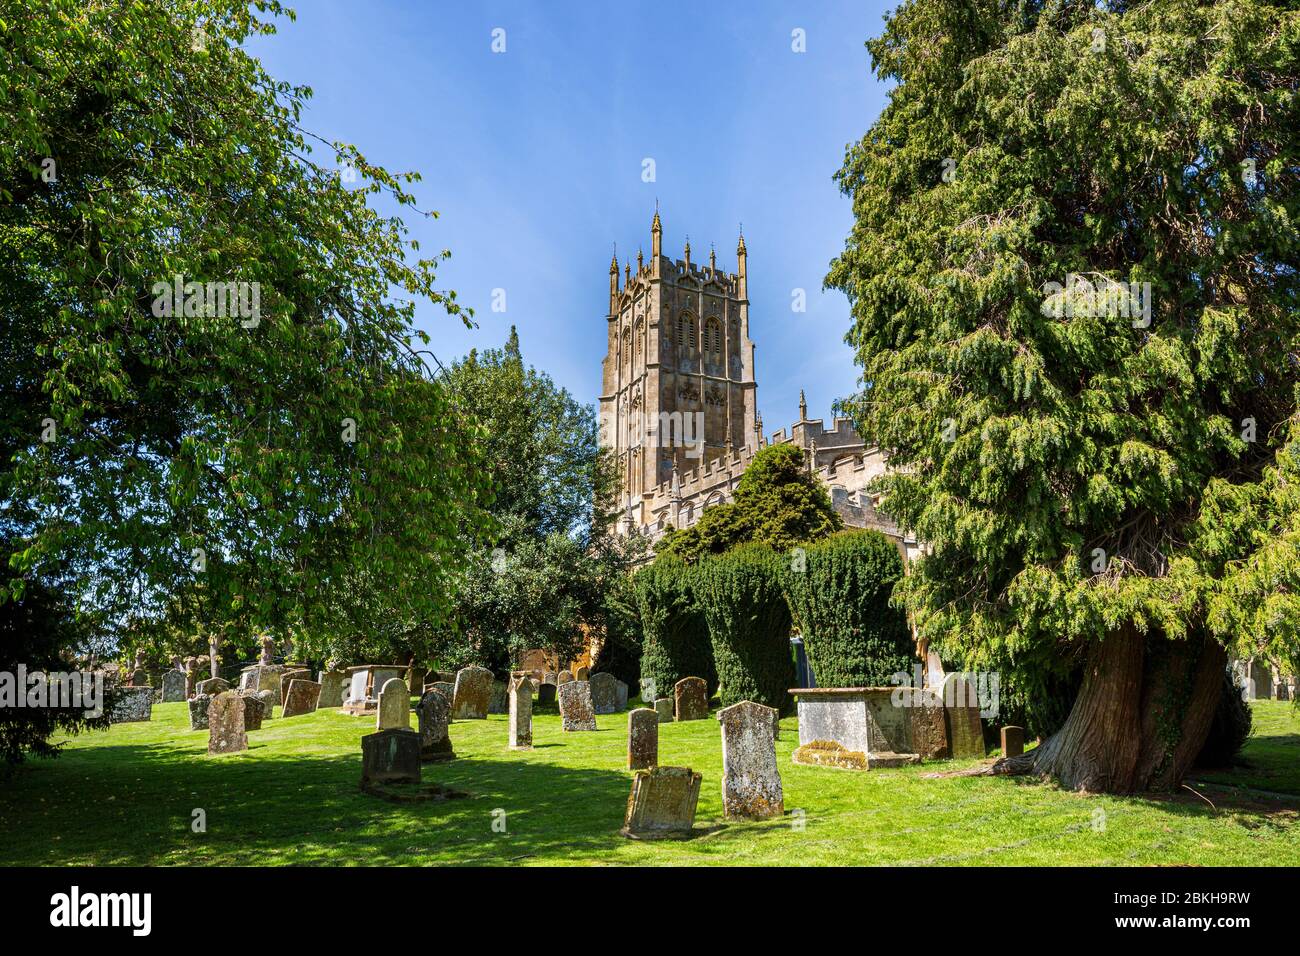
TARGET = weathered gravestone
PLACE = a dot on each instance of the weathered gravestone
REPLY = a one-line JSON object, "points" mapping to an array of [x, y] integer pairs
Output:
{"points": [[866, 720], [394, 712], [333, 686], [1259, 679], [254, 712], [664, 708], [390, 756], [521, 715], [662, 803], [1013, 741], [961, 704], [563, 677], [199, 705], [298, 673], [269, 699], [226, 724], [212, 686], [620, 696], [751, 783], [133, 705], [691, 696], [473, 690], [648, 690], [642, 739], [173, 687], [301, 698], [576, 711], [829, 753], [433, 714], [604, 693], [582, 673], [546, 693], [925, 727], [499, 698]]}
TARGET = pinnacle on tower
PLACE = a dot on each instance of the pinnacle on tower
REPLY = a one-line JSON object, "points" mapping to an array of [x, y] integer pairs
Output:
{"points": [[713, 259], [688, 251], [656, 236], [803, 407]]}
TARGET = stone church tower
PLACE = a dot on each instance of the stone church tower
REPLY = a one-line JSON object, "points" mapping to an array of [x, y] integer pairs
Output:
{"points": [[678, 389]]}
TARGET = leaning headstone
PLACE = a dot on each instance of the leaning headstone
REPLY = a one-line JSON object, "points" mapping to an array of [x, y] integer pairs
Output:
{"points": [[448, 691], [664, 708], [433, 714], [642, 739], [254, 712], [965, 732], [576, 711], [212, 686], [662, 803], [288, 677], [394, 711], [499, 698], [604, 695], [226, 724], [173, 687], [133, 704], [546, 693], [1013, 741], [751, 783], [199, 706], [521, 715], [392, 755], [473, 690], [691, 696], [269, 699], [333, 685], [302, 698], [648, 690]]}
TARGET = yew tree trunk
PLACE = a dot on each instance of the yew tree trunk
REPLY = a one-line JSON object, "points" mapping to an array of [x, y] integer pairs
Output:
{"points": [[1142, 715]]}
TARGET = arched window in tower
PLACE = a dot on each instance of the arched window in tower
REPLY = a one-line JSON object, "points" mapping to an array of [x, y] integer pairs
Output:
{"points": [[713, 339], [627, 347], [685, 333], [637, 336]]}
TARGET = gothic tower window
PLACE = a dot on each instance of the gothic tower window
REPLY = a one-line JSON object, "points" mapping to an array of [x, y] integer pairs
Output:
{"points": [[713, 339], [637, 336], [627, 352], [685, 333]]}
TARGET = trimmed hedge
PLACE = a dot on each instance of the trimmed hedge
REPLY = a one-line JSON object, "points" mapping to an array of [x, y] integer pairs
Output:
{"points": [[749, 625], [675, 638], [840, 602]]}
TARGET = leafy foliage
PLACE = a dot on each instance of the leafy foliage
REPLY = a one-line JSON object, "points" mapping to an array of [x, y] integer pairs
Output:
{"points": [[839, 595], [675, 635], [749, 625]]}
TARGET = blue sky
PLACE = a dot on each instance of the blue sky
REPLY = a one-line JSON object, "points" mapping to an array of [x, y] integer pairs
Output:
{"points": [[533, 158]]}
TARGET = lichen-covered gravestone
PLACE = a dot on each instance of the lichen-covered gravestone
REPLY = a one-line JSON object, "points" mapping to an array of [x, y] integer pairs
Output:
{"points": [[133, 704], [473, 693], [563, 677], [226, 724], [173, 687], [199, 706], [434, 713], [648, 690], [521, 714], [582, 673], [212, 686], [301, 698], [392, 755], [664, 708], [926, 728], [333, 685], [499, 698], [448, 691], [300, 673], [604, 693], [642, 739], [751, 783], [691, 695], [269, 698], [662, 803], [394, 711], [576, 711], [965, 732], [254, 712]]}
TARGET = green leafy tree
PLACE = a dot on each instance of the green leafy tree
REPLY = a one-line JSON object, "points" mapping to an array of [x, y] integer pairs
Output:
{"points": [[749, 625], [675, 636], [777, 503], [1058, 451], [261, 438], [839, 592]]}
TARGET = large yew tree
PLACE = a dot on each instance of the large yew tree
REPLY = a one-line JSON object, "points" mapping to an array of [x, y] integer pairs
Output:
{"points": [[1077, 472]]}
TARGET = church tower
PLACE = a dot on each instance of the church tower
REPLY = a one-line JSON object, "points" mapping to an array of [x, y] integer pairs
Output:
{"points": [[678, 388]]}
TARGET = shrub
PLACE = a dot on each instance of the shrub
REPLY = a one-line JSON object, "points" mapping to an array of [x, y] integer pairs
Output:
{"points": [[749, 625], [840, 603], [675, 638]]}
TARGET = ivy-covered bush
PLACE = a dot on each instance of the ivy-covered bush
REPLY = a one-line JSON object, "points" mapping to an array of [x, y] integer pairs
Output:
{"points": [[838, 592], [675, 638], [749, 625]]}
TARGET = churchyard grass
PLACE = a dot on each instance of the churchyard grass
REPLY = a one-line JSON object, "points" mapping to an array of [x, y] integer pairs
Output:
{"points": [[128, 796]]}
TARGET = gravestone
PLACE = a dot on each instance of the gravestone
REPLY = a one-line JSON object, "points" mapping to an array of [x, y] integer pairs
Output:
{"points": [[751, 783], [499, 699], [173, 687], [546, 693], [521, 715], [662, 803], [1260, 679], [261, 677], [582, 673], [199, 705], [134, 704], [473, 689], [642, 739], [575, 706], [604, 693], [961, 705], [392, 755], [925, 727], [226, 724], [415, 680], [212, 686], [664, 708], [333, 685], [301, 698], [869, 720], [563, 677], [1013, 741], [394, 712], [288, 677], [691, 696], [269, 699], [254, 712], [548, 677], [648, 690], [433, 714]]}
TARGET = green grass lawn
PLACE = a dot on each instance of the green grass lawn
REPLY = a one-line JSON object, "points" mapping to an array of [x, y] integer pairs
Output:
{"points": [[126, 796]]}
